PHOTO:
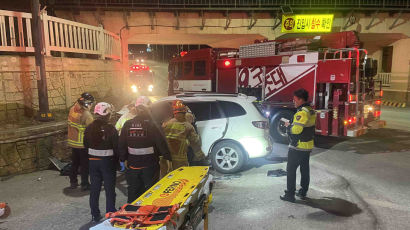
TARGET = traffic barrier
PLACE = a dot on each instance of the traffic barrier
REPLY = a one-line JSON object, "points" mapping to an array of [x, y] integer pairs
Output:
{"points": [[394, 104]]}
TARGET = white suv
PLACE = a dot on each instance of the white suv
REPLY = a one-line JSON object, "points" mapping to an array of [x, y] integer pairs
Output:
{"points": [[231, 128]]}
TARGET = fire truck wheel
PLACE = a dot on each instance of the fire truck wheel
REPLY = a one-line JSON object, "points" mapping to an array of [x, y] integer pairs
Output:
{"points": [[228, 157], [277, 129]]}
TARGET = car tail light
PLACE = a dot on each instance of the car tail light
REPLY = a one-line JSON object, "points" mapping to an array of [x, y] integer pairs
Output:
{"points": [[377, 113], [260, 124], [350, 97], [227, 63], [350, 121]]}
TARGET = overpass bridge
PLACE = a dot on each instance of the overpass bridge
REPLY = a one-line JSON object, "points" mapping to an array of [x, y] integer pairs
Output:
{"points": [[383, 25]]}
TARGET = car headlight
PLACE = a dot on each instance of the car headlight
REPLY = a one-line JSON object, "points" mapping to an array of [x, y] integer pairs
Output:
{"points": [[253, 146], [150, 88], [134, 88]]}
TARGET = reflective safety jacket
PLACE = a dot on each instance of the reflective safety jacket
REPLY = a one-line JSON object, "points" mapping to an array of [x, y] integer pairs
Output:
{"points": [[302, 131], [181, 134], [78, 119], [142, 142], [125, 117], [104, 147]]}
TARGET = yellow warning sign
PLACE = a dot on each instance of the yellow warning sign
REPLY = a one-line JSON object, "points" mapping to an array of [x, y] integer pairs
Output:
{"points": [[307, 23]]}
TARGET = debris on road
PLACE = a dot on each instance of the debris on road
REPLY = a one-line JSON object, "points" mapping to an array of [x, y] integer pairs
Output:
{"points": [[277, 173]]}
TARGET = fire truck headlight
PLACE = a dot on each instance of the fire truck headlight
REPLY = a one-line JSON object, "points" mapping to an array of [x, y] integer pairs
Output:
{"points": [[134, 88], [150, 88], [142, 60]]}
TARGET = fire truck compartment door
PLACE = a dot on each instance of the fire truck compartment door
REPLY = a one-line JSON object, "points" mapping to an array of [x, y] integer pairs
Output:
{"points": [[193, 85], [209, 121]]}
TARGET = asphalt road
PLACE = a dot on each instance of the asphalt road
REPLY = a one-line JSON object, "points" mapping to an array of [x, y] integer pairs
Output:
{"points": [[356, 183]]}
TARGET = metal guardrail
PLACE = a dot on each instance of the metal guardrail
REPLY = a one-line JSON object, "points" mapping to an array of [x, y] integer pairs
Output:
{"points": [[385, 79], [60, 35], [234, 4]]}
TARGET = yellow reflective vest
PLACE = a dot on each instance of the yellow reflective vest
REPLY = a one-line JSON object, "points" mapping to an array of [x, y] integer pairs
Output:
{"points": [[78, 119], [302, 130], [179, 135]]}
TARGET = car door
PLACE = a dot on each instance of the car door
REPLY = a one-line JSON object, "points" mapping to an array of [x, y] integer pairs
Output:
{"points": [[210, 122]]}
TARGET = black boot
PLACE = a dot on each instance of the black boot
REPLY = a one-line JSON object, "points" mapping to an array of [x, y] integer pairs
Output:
{"points": [[73, 185], [96, 219], [301, 194], [85, 187], [288, 197]]}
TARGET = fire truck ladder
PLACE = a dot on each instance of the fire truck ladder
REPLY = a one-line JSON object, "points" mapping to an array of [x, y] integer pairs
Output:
{"points": [[360, 94]]}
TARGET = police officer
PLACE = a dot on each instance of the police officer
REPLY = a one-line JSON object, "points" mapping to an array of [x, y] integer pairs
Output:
{"points": [[180, 134], [101, 139], [301, 134], [79, 118], [141, 144]]}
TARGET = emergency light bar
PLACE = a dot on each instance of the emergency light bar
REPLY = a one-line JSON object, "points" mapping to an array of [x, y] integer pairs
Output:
{"points": [[139, 67]]}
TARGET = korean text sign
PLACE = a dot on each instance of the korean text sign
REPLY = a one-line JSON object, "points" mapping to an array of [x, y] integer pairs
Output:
{"points": [[307, 23]]}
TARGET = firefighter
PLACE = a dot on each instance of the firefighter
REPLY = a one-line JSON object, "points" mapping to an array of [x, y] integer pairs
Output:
{"points": [[101, 139], [141, 144], [132, 112], [180, 134], [301, 134], [79, 118]]}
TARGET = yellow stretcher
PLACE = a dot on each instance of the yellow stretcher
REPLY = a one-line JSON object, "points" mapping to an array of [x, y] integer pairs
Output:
{"points": [[187, 187]]}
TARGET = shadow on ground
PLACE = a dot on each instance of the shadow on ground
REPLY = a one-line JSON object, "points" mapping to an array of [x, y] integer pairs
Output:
{"points": [[333, 205], [87, 226], [75, 192]]}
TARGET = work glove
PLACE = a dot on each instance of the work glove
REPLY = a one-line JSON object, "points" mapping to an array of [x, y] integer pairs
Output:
{"points": [[122, 164]]}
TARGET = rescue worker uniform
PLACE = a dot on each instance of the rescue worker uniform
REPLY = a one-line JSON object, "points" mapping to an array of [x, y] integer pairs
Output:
{"points": [[141, 144], [301, 135], [128, 115], [180, 134], [103, 157], [79, 118]]}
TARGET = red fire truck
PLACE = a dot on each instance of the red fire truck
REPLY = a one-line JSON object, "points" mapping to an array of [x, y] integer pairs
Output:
{"points": [[333, 68], [141, 79]]}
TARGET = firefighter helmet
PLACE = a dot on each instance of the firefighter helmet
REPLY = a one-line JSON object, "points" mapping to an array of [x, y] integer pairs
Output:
{"points": [[103, 109], [179, 107], [86, 99]]}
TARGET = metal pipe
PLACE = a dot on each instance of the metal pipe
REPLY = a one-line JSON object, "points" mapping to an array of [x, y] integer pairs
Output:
{"points": [[357, 83]]}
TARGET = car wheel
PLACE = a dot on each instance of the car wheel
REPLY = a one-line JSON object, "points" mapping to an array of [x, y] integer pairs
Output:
{"points": [[228, 157], [277, 129]]}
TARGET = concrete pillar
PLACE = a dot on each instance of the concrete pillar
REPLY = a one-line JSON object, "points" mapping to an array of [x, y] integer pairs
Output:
{"points": [[124, 34]]}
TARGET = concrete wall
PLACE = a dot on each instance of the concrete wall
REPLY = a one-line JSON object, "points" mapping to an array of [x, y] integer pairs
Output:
{"points": [[67, 78], [27, 149], [399, 89]]}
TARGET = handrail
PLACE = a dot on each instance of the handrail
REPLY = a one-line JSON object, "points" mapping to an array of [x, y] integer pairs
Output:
{"points": [[59, 35]]}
